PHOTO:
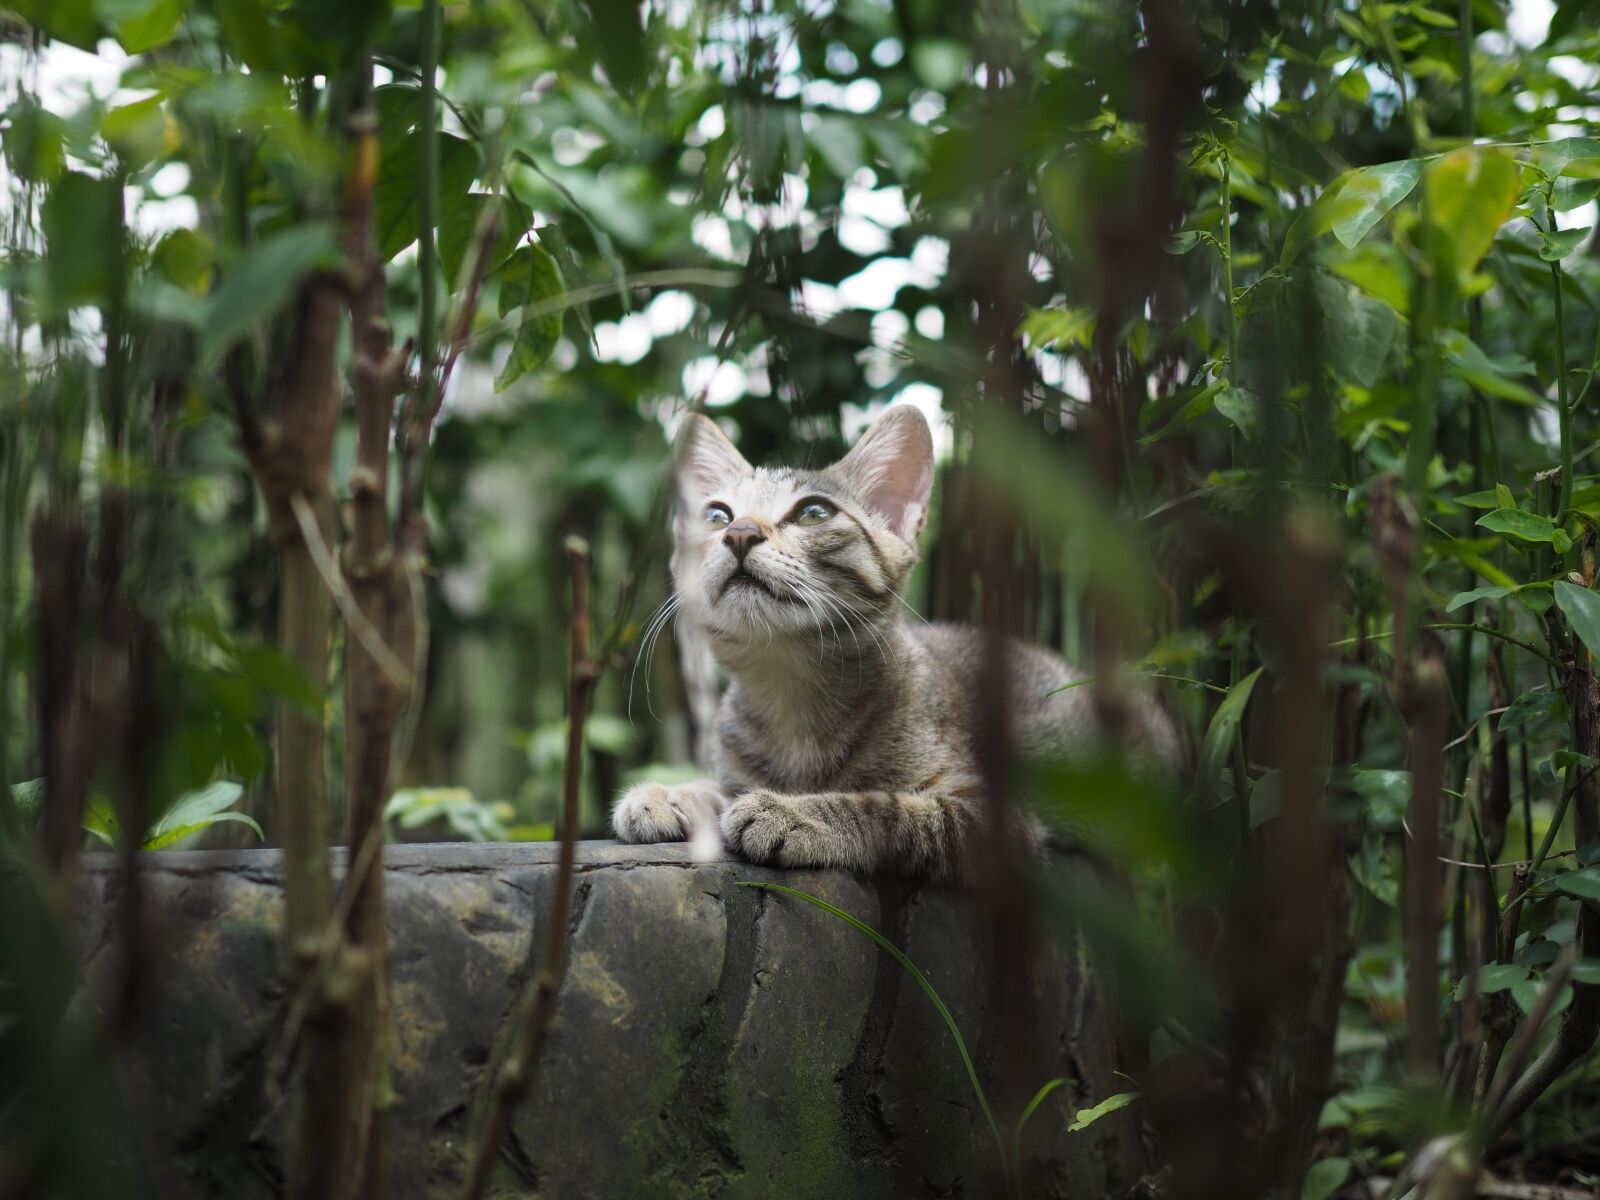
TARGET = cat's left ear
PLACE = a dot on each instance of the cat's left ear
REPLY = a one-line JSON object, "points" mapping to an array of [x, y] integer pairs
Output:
{"points": [[891, 467]]}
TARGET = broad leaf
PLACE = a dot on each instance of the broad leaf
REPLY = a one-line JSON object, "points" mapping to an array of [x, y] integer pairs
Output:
{"points": [[1584, 884], [1525, 526], [1581, 607], [457, 234], [1556, 246], [1470, 194], [194, 811], [1325, 1177], [396, 216], [1496, 977], [1086, 1117], [264, 280], [1367, 196], [1462, 599], [28, 796], [529, 277]]}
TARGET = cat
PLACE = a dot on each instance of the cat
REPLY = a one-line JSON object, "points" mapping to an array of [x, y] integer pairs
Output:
{"points": [[847, 737]]}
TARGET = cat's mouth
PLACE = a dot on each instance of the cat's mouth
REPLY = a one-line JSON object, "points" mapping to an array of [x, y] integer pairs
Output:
{"points": [[742, 580]]}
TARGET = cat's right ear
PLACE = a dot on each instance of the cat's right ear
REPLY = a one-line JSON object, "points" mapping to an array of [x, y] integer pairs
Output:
{"points": [[707, 461]]}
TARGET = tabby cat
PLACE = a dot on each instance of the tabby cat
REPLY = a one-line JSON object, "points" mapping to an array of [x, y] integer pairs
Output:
{"points": [[847, 735]]}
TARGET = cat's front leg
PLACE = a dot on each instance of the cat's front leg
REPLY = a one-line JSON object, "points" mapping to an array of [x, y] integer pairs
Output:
{"points": [[904, 833], [655, 812]]}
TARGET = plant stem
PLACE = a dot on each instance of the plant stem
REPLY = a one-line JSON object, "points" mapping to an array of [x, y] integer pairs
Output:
{"points": [[511, 1078], [428, 201], [1564, 411]]}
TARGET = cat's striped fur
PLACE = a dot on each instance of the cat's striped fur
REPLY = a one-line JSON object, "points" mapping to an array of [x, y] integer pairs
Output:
{"points": [[847, 736]]}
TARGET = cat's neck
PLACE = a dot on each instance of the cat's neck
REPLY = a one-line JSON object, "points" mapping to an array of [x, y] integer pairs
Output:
{"points": [[815, 689]]}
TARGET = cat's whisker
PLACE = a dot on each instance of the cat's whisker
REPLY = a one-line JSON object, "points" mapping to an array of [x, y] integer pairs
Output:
{"points": [[647, 644]]}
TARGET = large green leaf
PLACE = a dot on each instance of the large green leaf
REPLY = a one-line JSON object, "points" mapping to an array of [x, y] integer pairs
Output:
{"points": [[1498, 378], [142, 25], [264, 280], [457, 233], [195, 811], [1525, 526], [70, 21], [529, 277], [78, 216], [1581, 607], [1470, 194], [1218, 743], [1351, 205], [396, 214], [1360, 331], [1489, 592], [1367, 196]]}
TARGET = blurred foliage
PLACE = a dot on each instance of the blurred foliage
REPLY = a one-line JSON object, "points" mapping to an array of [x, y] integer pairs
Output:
{"points": [[1379, 265]]}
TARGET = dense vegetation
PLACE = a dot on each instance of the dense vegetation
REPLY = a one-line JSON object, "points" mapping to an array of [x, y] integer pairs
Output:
{"points": [[1263, 338]]}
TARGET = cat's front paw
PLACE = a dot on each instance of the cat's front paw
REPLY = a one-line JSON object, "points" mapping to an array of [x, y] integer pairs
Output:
{"points": [[654, 812], [780, 831]]}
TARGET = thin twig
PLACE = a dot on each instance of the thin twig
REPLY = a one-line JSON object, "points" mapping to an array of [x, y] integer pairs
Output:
{"points": [[322, 559], [535, 1013]]}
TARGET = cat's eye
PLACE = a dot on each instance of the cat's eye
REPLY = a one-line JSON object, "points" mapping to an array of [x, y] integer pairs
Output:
{"points": [[814, 512], [718, 514]]}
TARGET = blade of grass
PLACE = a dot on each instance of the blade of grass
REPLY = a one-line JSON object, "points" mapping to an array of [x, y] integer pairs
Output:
{"points": [[1016, 1131]]}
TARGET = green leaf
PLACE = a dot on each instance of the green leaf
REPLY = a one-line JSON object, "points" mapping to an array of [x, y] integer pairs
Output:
{"points": [[1528, 992], [1325, 1177], [1586, 970], [1048, 328], [1528, 707], [1496, 977], [28, 796], [1581, 607], [77, 217], [177, 833], [275, 672], [34, 145], [1584, 884], [456, 234], [1525, 526], [1218, 743], [142, 25], [1086, 1117], [1239, 406], [1360, 330], [1494, 377], [70, 21], [100, 822], [1489, 498], [840, 144], [263, 281], [1556, 246], [1367, 196], [1351, 205], [939, 62], [1470, 194], [396, 217], [529, 276], [1462, 599], [194, 811]]}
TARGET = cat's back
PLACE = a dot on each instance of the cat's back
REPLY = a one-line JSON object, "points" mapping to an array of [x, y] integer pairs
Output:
{"points": [[1052, 706]]}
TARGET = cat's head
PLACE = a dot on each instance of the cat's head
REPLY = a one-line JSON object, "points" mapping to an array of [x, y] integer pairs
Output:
{"points": [[781, 551]]}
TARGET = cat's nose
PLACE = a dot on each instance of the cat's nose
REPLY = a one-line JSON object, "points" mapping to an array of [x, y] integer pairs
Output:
{"points": [[742, 537]]}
